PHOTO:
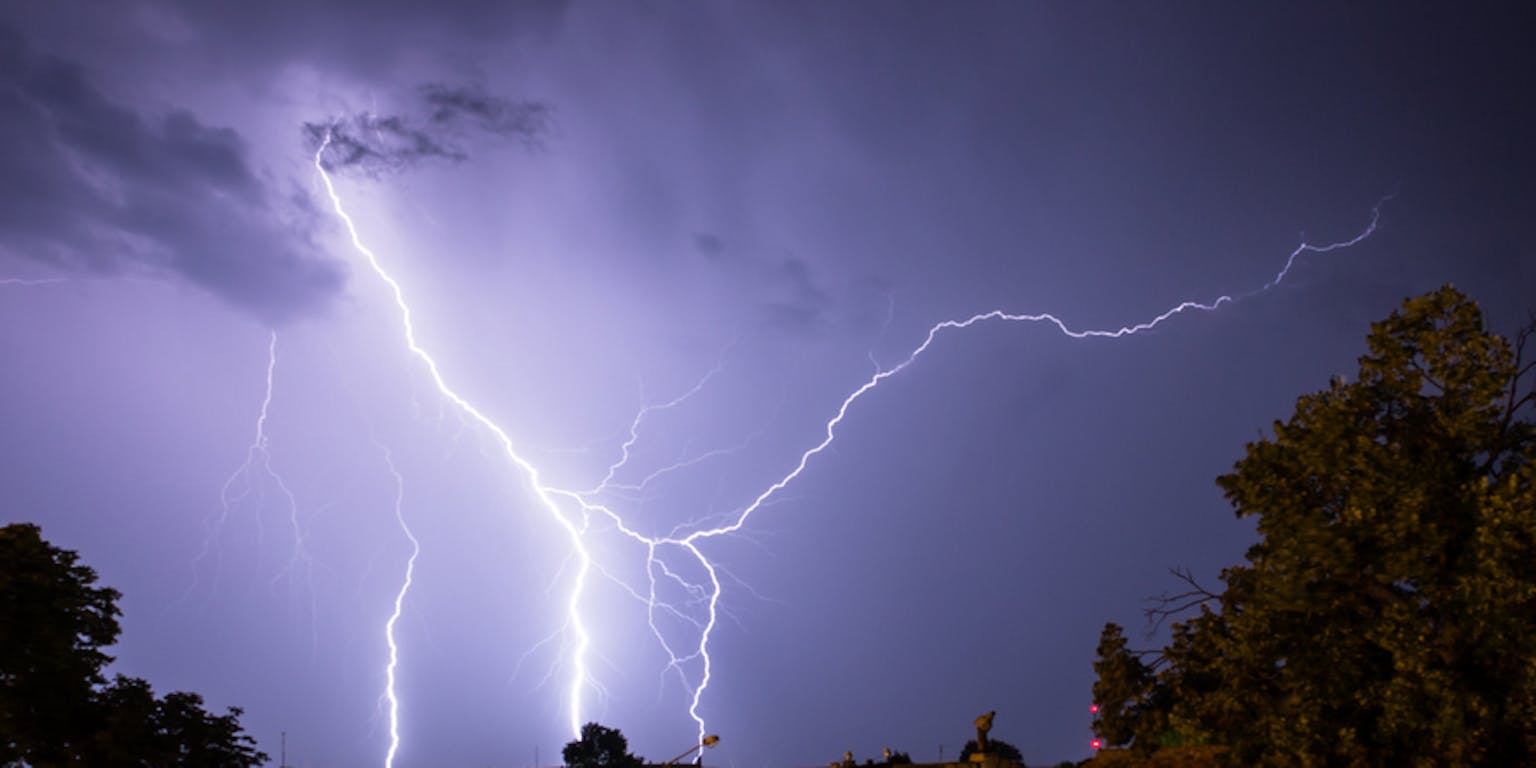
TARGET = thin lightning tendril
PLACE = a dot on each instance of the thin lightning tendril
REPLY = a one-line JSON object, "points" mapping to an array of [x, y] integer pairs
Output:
{"points": [[256, 467], [24, 281], [687, 545]]}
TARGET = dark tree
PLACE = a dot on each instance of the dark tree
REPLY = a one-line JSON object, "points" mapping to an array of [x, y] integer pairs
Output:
{"points": [[54, 622], [1385, 617], [1124, 693], [600, 747], [996, 747], [56, 709]]}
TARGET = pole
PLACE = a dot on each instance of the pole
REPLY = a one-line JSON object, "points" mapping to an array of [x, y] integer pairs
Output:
{"points": [[709, 741]]}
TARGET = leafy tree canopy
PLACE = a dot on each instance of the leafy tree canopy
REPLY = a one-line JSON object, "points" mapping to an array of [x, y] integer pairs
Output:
{"points": [[600, 747], [56, 708], [1385, 617], [54, 622]]}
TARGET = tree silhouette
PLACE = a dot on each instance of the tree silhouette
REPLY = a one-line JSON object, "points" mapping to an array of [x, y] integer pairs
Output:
{"points": [[1385, 615], [600, 747], [995, 747], [54, 622], [55, 707]]}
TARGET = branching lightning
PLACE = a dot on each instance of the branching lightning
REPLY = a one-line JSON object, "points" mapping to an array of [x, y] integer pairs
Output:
{"points": [[251, 478], [574, 509], [690, 542]]}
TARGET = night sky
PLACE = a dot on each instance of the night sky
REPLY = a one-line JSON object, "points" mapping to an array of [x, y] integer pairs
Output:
{"points": [[737, 215]]}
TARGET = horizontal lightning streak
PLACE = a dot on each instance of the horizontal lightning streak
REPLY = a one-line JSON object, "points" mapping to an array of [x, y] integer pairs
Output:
{"points": [[691, 541], [997, 314]]}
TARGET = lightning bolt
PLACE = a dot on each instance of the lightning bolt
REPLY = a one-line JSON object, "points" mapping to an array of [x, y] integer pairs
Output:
{"points": [[390, 695], [1306, 247], [690, 542], [1060, 325], [576, 516], [250, 477], [543, 494]]}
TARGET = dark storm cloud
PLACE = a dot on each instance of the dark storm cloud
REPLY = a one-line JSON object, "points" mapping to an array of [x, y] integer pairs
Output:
{"points": [[792, 298], [94, 184], [378, 143], [373, 143], [802, 305], [470, 104]]}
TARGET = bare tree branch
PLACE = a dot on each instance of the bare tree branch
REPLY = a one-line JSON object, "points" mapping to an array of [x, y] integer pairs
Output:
{"points": [[1515, 400], [1170, 605], [1424, 374]]}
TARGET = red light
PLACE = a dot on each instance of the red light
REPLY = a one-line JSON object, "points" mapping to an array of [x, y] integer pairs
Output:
{"points": [[1094, 708], [1096, 744]]}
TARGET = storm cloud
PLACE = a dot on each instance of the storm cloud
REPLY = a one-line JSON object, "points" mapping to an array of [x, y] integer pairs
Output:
{"points": [[375, 144], [99, 186]]}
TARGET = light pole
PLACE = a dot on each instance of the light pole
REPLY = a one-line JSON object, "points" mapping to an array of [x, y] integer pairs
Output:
{"points": [[709, 741]]}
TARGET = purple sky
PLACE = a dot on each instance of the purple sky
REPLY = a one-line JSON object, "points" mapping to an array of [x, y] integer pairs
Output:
{"points": [[789, 195]]}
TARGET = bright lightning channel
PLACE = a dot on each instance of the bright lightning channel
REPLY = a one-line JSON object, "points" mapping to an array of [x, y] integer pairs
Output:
{"points": [[389, 627], [547, 495]]}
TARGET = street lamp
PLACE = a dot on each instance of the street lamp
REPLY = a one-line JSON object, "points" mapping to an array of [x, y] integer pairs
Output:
{"points": [[709, 741]]}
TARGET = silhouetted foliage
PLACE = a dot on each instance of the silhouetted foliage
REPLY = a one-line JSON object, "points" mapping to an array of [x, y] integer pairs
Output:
{"points": [[600, 747], [1206, 756], [899, 758], [1385, 615], [53, 624], [995, 746], [1129, 702], [55, 707]]}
